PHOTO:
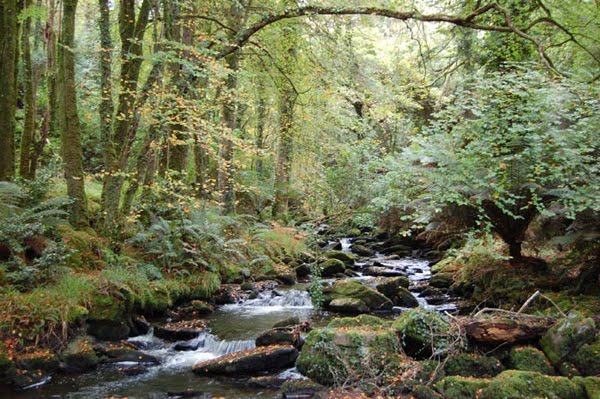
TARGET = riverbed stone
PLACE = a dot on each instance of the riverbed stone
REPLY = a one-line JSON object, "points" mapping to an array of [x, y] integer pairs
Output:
{"points": [[421, 331], [404, 298], [300, 389], [180, 331], [79, 356], [302, 270], [279, 336], [382, 271], [249, 362], [441, 280], [529, 358], [389, 285], [362, 250], [353, 289], [348, 305], [331, 267], [345, 257], [399, 249], [567, 336], [124, 353]]}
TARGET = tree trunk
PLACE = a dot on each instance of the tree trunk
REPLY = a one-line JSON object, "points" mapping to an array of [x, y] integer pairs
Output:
{"points": [[28, 134], [261, 115], [69, 118], [106, 102], [8, 88]]}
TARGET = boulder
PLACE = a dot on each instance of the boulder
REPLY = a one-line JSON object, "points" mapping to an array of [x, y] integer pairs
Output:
{"points": [[249, 362], [497, 330], [457, 387], [289, 322], [567, 336], [422, 333], [362, 250], [353, 289], [364, 320], [515, 384], [587, 359], [108, 330], [345, 257], [528, 358], [124, 354], [181, 330], [382, 271], [389, 285], [279, 336], [473, 365], [303, 270], [42, 359], [331, 267], [336, 355], [348, 305], [398, 249], [591, 385], [300, 389], [441, 280], [404, 298], [79, 356]]}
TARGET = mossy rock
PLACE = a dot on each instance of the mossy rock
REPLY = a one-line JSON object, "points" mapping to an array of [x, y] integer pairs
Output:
{"points": [[425, 392], [528, 358], [363, 320], [86, 246], [301, 388], [79, 356], [348, 305], [331, 267], [389, 285], [345, 257], [362, 250], [456, 387], [473, 365], [333, 356], [515, 384], [567, 336], [404, 298], [587, 359], [420, 331], [416, 373], [43, 359], [441, 280], [349, 288], [591, 385]]}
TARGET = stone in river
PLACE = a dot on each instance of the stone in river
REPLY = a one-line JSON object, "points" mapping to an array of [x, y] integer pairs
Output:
{"points": [[249, 362]]}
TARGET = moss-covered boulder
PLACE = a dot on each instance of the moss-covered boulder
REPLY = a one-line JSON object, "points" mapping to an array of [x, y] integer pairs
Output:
{"points": [[362, 250], [348, 305], [404, 298], [79, 356], [335, 355], [42, 359], [331, 267], [528, 358], [353, 289], [515, 384], [422, 333], [345, 257], [249, 362], [389, 285], [414, 373], [304, 388], [591, 386], [457, 387], [567, 336], [441, 280], [587, 359], [473, 365], [364, 321]]}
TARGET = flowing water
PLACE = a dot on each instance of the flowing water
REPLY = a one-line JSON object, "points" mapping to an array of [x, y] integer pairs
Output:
{"points": [[232, 328]]}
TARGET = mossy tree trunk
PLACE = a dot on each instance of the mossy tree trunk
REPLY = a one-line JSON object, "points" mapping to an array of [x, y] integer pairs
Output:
{"points": [[261, 116], [8, 88], [69, 119], [27, 137], [106, 94]]}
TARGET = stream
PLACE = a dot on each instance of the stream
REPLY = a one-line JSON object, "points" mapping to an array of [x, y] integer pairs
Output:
{"points": [[232, 328]]}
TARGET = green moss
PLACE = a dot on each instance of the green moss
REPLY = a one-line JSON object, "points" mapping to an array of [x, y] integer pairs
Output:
{"points": [[350, 288], [346, 257], [473, 365], [567, 336], [587, 359], [514, 384], [528, 358], [591, 386], [420, 331], [362, 320], [331, 267], [85, 246], [456, 387]]}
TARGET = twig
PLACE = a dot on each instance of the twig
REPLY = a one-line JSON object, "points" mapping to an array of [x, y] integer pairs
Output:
{"points": [[529, 301]]}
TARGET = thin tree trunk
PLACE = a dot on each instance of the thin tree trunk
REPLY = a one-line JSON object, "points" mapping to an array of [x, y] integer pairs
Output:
{"points": [[8, 89], [284, 153], [261, 115], [107, 107], [28, 134], [69, 118]]}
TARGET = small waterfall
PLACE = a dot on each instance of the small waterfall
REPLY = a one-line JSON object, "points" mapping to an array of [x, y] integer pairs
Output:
{"points": [[215, 346], [346, 244], [275, 298]]}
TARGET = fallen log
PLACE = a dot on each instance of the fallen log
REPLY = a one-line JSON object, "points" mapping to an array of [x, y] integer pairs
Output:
{"points": [[499, 330]]}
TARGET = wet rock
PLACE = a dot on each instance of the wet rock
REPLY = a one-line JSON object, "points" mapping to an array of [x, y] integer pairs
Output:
{"points": [[181, 330], [267, 381], [300, 389], [303, 270], [348, 305], [79, 356], [279, 336], [108, 330], [123, 353], [381, 271], [248, 362], [345, 257], [193, 310], [400, 249], [431, 291], [473, 365], [567, 336], [404, 298], [189, 393], [331, 267], [389, 285], [362, 250], [337, 246], [497, 330], [247, 286], [28, 379], [441, 280], [133, 370], [44, 360], [512, 384], [336, 355], [422, 333], [186, 346], [140, 326], [353, 289], [528, 358], [286, 277]]}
